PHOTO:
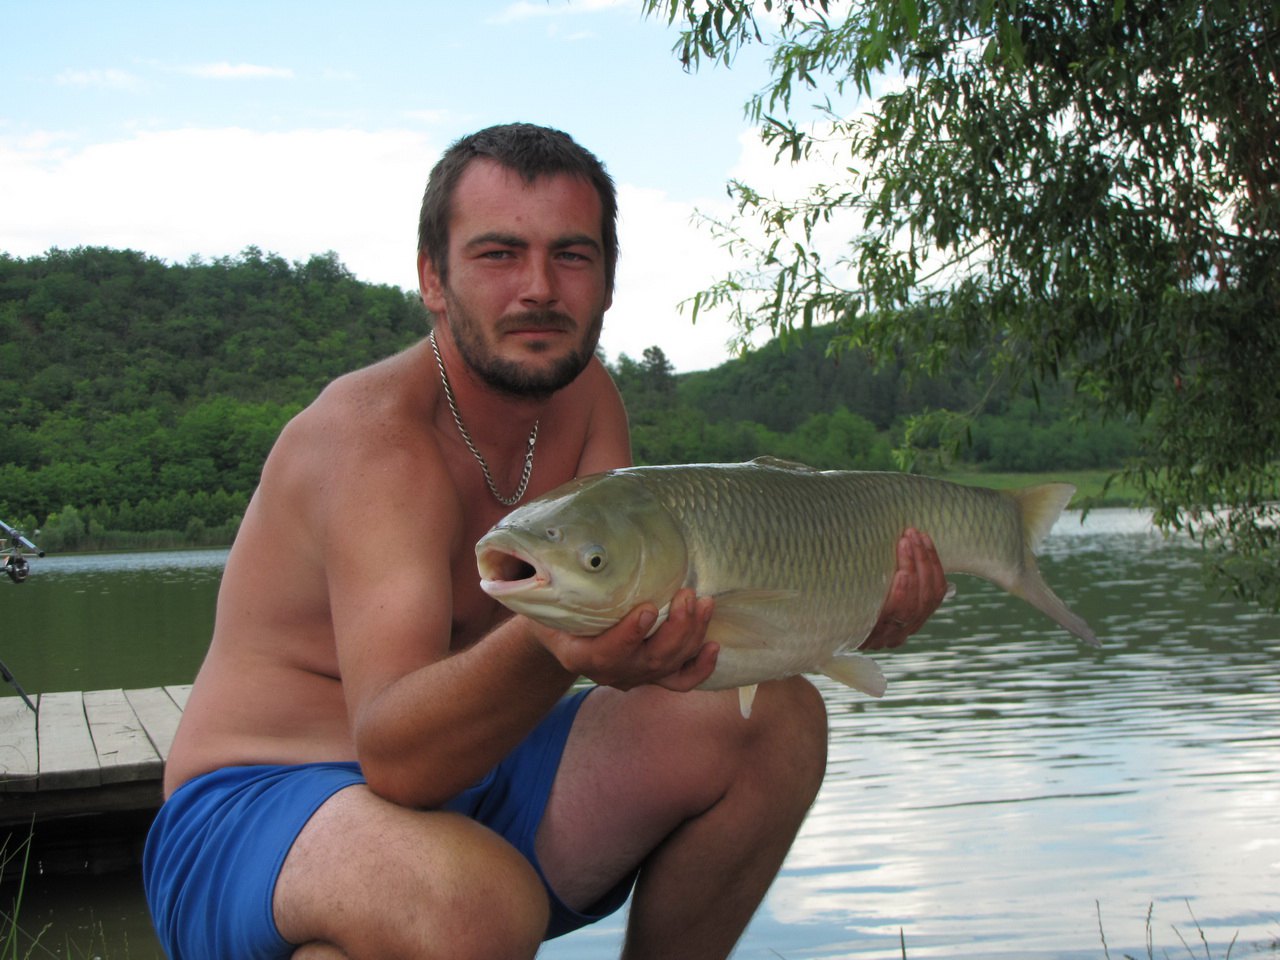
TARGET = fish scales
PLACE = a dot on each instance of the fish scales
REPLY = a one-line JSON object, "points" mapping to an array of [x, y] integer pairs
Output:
{"points": [[799, 561], [820, 546], [784, 525]]}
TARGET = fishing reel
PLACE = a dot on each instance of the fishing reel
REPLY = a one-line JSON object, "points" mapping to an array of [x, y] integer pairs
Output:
{"points": [[16, 549]]}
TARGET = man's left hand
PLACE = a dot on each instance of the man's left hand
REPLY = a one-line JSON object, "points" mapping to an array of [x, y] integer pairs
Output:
{"points": [[918, 587]]}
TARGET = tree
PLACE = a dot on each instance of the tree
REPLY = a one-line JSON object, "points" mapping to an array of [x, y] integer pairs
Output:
{"points": [[1084, 192], [124, 378]]}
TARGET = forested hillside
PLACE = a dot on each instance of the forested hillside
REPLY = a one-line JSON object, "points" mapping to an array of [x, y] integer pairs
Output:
{"points": [[140, 398], [801, 403], [144, 396]]}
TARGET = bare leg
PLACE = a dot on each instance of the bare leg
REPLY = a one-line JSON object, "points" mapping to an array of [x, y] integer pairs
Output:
{"points": [[318, 951], [707, 802], [368, 879]]}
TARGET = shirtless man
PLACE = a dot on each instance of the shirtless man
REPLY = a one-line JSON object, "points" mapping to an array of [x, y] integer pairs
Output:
{"points": [[374, 762]]}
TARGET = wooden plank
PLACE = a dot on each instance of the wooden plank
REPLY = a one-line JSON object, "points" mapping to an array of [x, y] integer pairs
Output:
{"points": [[19, 755], [159, 716], [100, 752], [85, 753], [124, 751], [179, 693], [67, 757], [18, 810]]}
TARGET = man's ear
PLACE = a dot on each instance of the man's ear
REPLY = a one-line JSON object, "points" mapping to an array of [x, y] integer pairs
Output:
{"points": [[429, 285]]}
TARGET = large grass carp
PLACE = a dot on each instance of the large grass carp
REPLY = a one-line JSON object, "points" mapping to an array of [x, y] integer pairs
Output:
{"points": [[798, 560]]}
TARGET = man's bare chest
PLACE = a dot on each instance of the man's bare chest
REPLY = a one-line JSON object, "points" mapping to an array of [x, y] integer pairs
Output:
{"points": [[474, 612]]}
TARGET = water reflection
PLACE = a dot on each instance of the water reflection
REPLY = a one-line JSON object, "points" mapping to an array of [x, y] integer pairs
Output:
{"points": [[103, 621], [126, 565], [1012, 779], [1012, 783]]}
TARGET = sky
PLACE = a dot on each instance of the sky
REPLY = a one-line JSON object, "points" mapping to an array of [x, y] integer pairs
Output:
{"points": [[183, 129]]}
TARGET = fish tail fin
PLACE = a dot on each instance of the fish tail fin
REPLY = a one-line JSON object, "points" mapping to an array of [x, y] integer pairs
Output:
{"points": [[1040, 507]]}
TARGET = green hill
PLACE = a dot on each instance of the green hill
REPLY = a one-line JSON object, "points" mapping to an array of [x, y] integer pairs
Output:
{"points": [[146, 394], [142, 396]]}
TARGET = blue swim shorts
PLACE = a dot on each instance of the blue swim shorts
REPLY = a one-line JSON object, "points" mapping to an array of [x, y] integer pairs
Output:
{"points": [[217, 845]]}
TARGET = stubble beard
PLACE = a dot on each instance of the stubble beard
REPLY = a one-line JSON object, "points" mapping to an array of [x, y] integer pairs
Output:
{"points": [[512, 377]]}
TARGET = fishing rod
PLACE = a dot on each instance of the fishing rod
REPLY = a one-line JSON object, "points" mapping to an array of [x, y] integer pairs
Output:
{"points": [[15, 549]]}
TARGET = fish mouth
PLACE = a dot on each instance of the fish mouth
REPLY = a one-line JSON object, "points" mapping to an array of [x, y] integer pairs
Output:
{"points": [[507, 570]]}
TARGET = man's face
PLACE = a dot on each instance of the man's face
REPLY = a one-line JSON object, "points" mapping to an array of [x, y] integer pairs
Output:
{"points": [[527, 293]]}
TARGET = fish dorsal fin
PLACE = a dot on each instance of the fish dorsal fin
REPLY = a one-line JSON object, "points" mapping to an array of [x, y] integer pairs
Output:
{"points": [[741, 619], [857, 671], [779, 464]]}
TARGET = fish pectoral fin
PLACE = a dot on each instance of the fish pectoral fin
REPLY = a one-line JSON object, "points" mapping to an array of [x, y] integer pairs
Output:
{"points": [[746, 697], [857, 671], [741, 618]]}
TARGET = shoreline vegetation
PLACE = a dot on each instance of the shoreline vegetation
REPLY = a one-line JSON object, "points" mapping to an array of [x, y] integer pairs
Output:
{"points": [[70, 534], [142, 397], [1094, 488]]}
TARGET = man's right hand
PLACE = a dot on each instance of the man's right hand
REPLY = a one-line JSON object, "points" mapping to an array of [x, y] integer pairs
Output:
{"points": [[676, 656]]}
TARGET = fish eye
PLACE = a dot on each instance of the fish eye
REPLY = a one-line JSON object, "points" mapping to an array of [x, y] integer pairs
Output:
{"points": [[593, 557], [554, 534]]}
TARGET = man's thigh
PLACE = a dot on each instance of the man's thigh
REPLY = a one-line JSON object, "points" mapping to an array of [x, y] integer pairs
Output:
{"points": [[249, 862]]}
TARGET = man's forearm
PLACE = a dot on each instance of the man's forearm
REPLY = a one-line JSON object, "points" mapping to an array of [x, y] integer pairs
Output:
{"points": [[437, 730]]}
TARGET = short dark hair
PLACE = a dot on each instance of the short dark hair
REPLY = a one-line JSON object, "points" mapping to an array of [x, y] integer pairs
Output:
{"points": [[529, 150]]}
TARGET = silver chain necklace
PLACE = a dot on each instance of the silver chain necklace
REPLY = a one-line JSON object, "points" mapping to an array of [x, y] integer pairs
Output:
{"points": [[466, 438]]}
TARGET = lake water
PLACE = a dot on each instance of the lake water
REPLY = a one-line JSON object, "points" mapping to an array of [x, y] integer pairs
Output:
{"points": [[1014, 795]]}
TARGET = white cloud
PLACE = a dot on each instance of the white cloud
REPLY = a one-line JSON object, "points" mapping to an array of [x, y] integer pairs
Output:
{"points": [[529, 9], [428, 116], [110, 79], [666, 258], [830, 162], [213, 192], [235, 71]]}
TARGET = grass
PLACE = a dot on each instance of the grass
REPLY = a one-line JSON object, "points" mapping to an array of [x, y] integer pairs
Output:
{"points": [[15, 942], [1091, 485], [1194, 951], [12, 936], [12, 933]]}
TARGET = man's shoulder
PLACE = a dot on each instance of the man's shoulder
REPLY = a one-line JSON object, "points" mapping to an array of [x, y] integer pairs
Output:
{"points": [[591, 418], [374, 415], [384, 395]]}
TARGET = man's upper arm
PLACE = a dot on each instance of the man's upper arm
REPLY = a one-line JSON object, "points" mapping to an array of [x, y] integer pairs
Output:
{"points": [[388, 524]]}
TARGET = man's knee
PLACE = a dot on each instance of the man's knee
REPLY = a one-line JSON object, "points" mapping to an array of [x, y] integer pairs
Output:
{"points": [[795, 719], [374, 880], [495, 907], [516, 909]]}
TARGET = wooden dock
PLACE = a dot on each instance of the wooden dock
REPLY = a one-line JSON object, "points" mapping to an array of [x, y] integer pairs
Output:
{"points": [[82, 753]]}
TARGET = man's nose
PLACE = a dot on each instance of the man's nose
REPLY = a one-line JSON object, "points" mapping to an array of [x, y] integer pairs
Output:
{"points": [[539, 283]]}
